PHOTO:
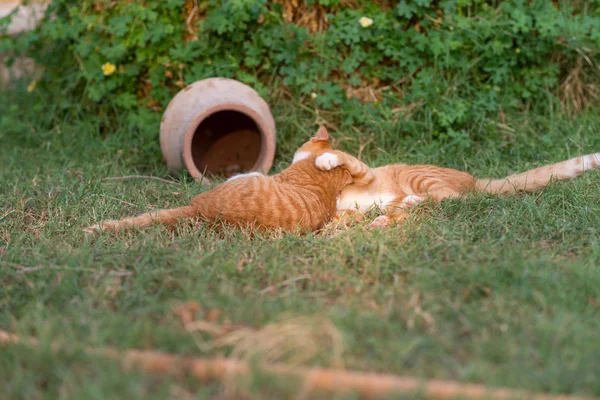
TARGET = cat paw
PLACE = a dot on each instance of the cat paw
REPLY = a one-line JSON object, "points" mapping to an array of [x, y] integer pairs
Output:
{"points": [[91, 230], [411, 200], [99, 228], [380, 222], [327, 161]]}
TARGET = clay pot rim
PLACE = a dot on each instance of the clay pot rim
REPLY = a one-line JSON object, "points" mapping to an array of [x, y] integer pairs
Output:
{"points": [[264, 161]]}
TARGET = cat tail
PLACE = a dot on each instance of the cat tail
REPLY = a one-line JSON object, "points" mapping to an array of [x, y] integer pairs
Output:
{"points": [[166, 217], [539, 177]]}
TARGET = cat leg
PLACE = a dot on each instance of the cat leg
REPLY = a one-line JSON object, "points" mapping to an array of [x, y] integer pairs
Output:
{"points": [[438, 194], [361, 173], [166, 217], [396, 211], [389, 219], [409, 201]]}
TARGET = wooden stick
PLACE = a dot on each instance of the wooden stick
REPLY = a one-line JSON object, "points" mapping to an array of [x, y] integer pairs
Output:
{"points": [[367, 385], [156, 178]]}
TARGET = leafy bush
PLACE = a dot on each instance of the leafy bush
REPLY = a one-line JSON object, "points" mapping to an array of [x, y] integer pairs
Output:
{"points": [[446, 61]]}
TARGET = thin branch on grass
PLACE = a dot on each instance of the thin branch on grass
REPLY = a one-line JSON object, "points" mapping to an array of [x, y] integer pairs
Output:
{"points": [[122, 201], [284, 283], [156, 178], [188, 21], [23, 269], [323, 380], [6, 214], [362, 148]]}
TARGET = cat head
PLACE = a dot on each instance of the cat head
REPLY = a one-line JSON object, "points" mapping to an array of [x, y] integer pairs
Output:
{"points": [[314, 147]]}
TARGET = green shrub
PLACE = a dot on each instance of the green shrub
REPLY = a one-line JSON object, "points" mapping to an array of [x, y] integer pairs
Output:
{"points": [[445, 61]]}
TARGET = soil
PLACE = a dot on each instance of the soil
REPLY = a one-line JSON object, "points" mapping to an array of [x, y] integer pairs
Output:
{"points": [[227, 154]]}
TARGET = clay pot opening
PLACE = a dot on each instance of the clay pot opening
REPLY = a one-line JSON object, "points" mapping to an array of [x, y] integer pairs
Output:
{"points": [[223, 143]]}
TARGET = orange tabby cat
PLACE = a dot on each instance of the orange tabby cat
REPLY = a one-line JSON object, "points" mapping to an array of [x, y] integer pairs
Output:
{"points": [[398, 187], [302, 197]]}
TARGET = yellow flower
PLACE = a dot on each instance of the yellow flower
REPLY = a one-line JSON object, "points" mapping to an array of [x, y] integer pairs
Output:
{"points": [[518, 50], [31, 86], [365, 22], [108, 69]]}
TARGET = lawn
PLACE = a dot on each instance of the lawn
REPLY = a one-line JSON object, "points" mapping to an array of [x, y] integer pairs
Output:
{"points": [[503, 291]]}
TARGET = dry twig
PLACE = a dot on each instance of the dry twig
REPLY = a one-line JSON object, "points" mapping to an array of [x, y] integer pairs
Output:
{"points": [[120, 178], [367, 385]]}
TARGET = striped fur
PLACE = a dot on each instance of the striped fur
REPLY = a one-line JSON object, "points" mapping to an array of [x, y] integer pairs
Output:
{"points": [[394, 183], [540, 177], [301, 197]]}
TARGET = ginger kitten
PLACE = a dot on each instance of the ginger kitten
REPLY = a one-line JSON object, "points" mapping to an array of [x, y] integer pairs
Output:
{"points": [[397, 187], [302, 197]]}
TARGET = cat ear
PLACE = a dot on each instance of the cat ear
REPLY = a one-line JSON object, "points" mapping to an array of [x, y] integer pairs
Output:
{"points": [[321, 134], [347, 177]]}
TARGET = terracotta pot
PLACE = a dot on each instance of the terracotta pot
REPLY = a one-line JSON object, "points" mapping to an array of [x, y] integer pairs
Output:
{"points": [[219, 126]]}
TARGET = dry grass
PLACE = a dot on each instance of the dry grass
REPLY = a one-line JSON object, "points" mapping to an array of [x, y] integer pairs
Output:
{"points": [[294, 340], [194, 11], [313, 17], [575, 92]]}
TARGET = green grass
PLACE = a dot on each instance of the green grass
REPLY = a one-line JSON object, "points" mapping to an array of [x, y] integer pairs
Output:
{"points": [[503, 291]]}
